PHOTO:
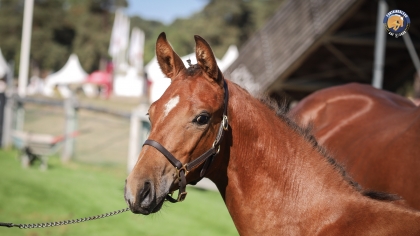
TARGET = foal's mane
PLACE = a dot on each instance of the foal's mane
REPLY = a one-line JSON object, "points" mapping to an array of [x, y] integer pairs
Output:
{"points": [[280, 108]]}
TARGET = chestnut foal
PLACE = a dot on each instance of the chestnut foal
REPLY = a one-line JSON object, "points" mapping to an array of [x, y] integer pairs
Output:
{"points": [[273, 177]]}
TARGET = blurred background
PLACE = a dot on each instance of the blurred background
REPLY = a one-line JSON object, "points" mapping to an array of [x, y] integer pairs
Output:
{"points": [[77, 77]]}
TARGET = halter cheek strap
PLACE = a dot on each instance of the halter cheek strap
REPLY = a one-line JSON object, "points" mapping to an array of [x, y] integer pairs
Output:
{"points": [[207, 157]]}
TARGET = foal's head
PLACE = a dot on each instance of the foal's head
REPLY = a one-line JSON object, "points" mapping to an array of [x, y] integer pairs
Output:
{"points": [[185, 121]]}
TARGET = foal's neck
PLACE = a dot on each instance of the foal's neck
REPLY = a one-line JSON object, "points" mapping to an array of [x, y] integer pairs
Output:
{"points": [[273, 169]]}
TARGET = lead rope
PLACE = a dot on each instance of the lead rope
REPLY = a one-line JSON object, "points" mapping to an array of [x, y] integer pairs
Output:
{"points": [[64, 222]]}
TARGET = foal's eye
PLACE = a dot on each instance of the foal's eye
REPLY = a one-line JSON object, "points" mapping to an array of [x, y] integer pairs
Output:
{"points": [[202, 119]]}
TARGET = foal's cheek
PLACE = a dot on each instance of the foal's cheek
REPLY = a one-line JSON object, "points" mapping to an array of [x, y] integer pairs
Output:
{"points": [[165, 184]]}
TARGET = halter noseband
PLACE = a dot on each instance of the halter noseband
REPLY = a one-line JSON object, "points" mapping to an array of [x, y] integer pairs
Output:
{"points": [[207, 157]]}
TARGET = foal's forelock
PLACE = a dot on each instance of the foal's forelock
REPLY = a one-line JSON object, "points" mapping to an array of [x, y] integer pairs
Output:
{"points": [[193, 69]]}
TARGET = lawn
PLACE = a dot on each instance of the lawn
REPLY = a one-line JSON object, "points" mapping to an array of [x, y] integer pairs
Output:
{"points": [[77, 190]]}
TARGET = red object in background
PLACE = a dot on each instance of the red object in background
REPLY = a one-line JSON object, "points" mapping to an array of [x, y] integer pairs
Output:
{"points": [[103, 79], [109, 67]]}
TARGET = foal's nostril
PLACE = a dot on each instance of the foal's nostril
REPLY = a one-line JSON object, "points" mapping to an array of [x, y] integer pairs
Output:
{"points": [[145, 191], [145, 194]]}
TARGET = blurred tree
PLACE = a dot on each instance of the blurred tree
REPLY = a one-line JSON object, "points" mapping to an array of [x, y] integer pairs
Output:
{"points": [[11, 14], [222, 23], [47, 18], [62, 27], [92, 22], [47, 51], [151, 31]]}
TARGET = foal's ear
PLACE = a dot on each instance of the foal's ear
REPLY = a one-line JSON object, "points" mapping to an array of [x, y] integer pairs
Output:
{"points": [[170, 63], [206, 59]]}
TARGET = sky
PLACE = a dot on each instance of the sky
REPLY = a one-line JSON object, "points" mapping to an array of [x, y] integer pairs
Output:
{"points": [[165, 11]]}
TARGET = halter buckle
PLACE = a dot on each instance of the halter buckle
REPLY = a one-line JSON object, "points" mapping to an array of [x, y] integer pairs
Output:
{"points": [[181, 196], [225, 122]]}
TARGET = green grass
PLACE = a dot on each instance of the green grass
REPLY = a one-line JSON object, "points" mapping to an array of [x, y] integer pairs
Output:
{"points": [[78, 190]]}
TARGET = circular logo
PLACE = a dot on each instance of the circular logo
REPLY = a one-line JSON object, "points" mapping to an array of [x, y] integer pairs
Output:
{"points": [[396, 22]]}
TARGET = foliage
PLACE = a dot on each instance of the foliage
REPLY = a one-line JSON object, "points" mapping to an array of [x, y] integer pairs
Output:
{"points": [[74, 191], [59, 28], [44, 44], [11, 12], [92, 24], [222, 23], [62, 27]]}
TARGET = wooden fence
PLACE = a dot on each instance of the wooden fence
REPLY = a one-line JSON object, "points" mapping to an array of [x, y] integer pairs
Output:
{"points": [[14, 113], [139, 126]]}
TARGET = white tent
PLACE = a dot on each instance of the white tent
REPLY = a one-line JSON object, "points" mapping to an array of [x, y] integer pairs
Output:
{"points": [[230, 56], [71, 73], [130, 85], [159, 82], [4, 68], [157, 79]]}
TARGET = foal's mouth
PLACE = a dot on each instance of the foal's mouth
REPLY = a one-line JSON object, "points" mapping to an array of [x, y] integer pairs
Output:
{"points": [[149, 199], [145, 209]]}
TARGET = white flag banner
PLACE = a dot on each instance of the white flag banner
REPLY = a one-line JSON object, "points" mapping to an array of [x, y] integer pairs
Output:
{"points": [[136, 51], [125, 33], [114, 42], [119, 35]]}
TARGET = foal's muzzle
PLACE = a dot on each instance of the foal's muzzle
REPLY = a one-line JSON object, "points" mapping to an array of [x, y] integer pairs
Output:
{"points": [[145, 200]]}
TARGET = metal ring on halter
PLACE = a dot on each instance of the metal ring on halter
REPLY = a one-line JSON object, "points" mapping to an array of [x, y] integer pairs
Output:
{"points": [[225, 123], [218, 147], [184, 167]]}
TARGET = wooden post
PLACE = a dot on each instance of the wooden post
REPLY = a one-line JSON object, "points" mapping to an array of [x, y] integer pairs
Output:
{"points": [[2, 107], [9, 121], [25, 47], [380, 46], [70, 112], [9, 108], [139, 131], [19, 116]]}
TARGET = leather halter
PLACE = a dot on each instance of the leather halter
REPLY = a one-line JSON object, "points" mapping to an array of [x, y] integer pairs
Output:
{"points": [[207, 157]]}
